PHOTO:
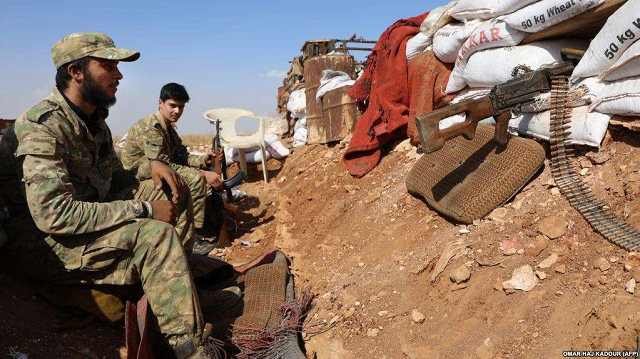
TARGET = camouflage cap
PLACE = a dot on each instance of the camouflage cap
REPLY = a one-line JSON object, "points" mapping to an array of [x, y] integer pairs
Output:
{"points": [[95, 44]]}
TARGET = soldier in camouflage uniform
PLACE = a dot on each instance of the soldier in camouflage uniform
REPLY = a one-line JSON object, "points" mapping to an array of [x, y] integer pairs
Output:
{"points": [[155, 136], [88, 220]]}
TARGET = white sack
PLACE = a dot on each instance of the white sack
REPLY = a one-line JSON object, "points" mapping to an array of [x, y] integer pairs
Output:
{"points": [[449, 39], [490, 34], [486, 9], [628, 65], [297, 104], [418, 44], [300, 137], [546, 13], [277, 125], [332, 80], [436, 19], [620, 31], [587, 128], [620, 97], [495, 66], [300, 123], [466, 94]]}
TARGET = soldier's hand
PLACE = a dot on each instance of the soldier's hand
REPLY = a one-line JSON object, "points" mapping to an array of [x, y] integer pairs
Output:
{"points": [[165, 211], [161, 172], [212, 157], [213, 179]]}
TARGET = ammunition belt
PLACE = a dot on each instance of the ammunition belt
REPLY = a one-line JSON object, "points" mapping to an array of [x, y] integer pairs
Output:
{"points": [[569, 181]]}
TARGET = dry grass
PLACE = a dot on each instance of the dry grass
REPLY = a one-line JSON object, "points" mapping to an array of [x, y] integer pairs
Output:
{"points": [[196, 140]]}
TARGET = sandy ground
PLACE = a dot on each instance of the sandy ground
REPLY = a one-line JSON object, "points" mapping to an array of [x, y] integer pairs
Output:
{"points": [[368, 250]]}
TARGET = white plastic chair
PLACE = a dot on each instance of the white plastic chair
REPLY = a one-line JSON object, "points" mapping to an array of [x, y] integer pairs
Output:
{"points": [[230, 138]]}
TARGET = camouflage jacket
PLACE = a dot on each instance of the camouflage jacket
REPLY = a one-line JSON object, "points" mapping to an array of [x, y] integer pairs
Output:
{"points": [[68, 173], [150, 138]]}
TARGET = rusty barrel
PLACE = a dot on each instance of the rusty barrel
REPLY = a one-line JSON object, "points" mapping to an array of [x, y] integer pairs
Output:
{"points": [[340, 114], [313, 68]]}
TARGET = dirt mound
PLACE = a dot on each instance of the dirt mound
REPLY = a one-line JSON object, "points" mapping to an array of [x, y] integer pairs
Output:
{"points": [[369, 250]]}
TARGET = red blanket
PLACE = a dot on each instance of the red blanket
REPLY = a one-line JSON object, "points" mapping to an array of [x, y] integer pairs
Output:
{"points": [[384, 87]]}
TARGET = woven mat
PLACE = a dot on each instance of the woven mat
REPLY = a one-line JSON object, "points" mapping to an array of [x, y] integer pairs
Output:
{"points": [[264, 290], [467, 179]]}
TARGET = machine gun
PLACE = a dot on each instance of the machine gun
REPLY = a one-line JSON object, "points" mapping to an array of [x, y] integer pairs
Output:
{"points": [[498, 103], [220, 165]]}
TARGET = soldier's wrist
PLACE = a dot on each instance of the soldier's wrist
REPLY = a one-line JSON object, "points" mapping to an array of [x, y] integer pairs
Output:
{"points": [[148, 209]]}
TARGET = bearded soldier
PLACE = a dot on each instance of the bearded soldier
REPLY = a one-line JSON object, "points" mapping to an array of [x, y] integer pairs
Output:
{"points": [[87, 220]]}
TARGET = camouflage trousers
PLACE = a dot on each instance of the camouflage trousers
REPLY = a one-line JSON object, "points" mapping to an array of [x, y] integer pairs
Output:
{"points": [[145, 251], [199, 191]]}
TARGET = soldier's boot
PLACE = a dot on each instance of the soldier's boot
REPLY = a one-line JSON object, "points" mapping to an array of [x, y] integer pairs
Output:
{"points": [[205, 347]]}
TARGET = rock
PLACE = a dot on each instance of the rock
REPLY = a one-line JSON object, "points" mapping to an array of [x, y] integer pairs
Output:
{"points": [[372, 332], [598, 158], [361, 264], [582, 291], [257, 236], [350, 312], [535, 247], [614, 322], [584, 171], [602, 264], [523, 279], [485, 351], [603, 280], [460, 274], [551, 260], [383, 313], [455, 287], [464, 231], [594, 282], [559, 293], [555, 191], [541, 275], [498, 285], [498, 214], [417, 317], [508, 245], [631, 286], [553, 227], [334, 320], [351, 188], [562, 269]]}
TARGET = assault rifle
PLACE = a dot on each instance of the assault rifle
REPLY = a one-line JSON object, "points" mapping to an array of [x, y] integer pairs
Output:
{"points": [[497, 104], [220, 165]]}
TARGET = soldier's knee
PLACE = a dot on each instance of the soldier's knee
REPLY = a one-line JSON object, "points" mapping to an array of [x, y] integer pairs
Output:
{"points": [[156, 232]]}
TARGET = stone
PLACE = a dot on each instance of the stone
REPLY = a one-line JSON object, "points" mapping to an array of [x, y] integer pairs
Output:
{"points": [[464, 231], [584, 171], [350, 312], [498, 214], [598, 158], [536, 246], [485, 351], [562, 269], [257, 236], [553, 226], [542, 275], [603, 280], [551, 260], [460, 274], [523, 279], [417, 317], [372, 332], [602, 264], [559, 293], [383, 313], [631, 286]]}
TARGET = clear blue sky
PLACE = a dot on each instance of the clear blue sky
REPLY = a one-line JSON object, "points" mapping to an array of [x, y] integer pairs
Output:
{"points": [[225, 52]]}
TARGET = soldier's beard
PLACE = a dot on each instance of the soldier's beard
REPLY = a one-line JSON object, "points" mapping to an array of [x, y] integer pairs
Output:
{"points": [[93, 94]]}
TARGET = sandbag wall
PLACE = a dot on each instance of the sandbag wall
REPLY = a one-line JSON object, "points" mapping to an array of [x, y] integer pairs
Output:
{"points": [[493, 41], [340, 117]]}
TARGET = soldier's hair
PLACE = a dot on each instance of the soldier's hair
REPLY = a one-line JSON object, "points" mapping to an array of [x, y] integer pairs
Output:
{"points": [[63, 76], [174, 91]]}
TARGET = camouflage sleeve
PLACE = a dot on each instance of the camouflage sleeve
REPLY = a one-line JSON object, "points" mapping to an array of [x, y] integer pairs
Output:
{"points": [[122, 178], [51, 196], [154, 145]]}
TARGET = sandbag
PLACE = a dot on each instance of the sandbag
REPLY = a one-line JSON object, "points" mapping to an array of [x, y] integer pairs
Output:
{"points": [[417, 44], [546, 13], [587, 128], [495, 66], [486, 9], [490, 34], [448, 41], [628, 65], [297, 104], [300, 137], [620, 97], [436, 19], [332, 80], [620, 31]]}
